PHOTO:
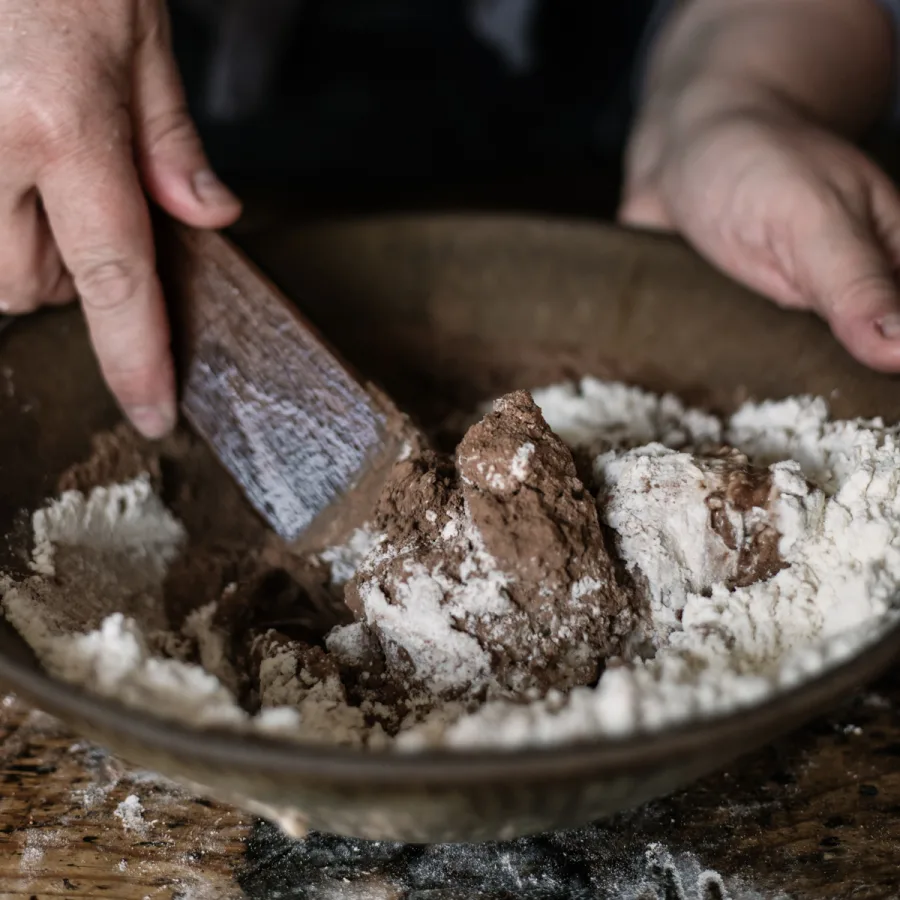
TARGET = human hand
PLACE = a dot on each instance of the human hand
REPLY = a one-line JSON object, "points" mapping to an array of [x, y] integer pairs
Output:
{"points": [[783, 206], [91, 113]]}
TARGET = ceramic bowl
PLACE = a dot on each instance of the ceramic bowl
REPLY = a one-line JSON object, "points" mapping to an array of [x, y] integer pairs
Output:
{"points": [[446, 311]]}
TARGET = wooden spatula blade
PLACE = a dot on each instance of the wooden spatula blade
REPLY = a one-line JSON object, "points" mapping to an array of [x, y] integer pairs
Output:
{"points": [[308, 443]]}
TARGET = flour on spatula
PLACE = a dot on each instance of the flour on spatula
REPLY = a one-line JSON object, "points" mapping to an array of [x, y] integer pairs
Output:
{"points": [[600, 562]]}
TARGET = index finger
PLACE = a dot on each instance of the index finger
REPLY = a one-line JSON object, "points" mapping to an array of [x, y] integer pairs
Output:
{"points": [[99, 217]]}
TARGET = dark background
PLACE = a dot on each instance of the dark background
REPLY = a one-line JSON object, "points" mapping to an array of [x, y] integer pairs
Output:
{"points": [[380, 103]]}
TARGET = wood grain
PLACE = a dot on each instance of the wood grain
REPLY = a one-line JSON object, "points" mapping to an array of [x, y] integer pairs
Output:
{"points": [[308, 443], [60, 835]]}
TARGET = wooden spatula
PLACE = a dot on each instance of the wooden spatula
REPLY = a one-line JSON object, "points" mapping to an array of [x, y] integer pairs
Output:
{"points": [[309, 443]]}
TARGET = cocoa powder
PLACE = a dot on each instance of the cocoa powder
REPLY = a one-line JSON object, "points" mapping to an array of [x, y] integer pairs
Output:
{"points": [[740, 488]]}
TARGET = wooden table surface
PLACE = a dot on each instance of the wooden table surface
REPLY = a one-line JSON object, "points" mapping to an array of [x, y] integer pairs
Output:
{"points": [[815, 818]]}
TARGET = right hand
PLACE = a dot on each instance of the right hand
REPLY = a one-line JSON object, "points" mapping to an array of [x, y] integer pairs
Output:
{"points": [[92, 112], [779, 203]]}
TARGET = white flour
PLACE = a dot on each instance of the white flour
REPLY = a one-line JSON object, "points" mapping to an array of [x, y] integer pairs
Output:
{"points": [[422, 622], [702, 650], [343, 561], [106, 556], [131, 813]]}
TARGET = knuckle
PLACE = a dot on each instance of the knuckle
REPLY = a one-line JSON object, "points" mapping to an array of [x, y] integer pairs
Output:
{"points": [[26, 131], [858, 291], [59, 82], [62, 126], [52, 117], [108, 283], [172, 126]]}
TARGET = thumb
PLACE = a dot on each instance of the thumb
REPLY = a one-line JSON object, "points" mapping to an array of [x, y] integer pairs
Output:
{"points": [[173, 166], [850, 278]]}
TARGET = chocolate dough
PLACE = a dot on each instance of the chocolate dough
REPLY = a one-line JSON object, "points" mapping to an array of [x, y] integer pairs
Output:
{"points": [[513, 504]]}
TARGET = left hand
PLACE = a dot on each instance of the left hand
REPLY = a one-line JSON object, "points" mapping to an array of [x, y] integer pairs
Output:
{"points": [[782, 205]]}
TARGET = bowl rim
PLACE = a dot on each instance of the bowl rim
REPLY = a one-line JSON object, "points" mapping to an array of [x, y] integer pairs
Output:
{"points": [[742, 728]]}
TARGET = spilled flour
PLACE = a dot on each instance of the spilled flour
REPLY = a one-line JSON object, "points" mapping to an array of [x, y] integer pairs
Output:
{"points": [[601, 562], [131, 813]]}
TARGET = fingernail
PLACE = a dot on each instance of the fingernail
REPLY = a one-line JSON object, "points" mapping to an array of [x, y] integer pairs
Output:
{"points": [[152, 421], [889, 326], [210, 190]]}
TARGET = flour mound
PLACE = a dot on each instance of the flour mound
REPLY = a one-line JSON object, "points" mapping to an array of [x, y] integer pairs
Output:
{"points": [[832, 497], [685, 523], [106, 553]]}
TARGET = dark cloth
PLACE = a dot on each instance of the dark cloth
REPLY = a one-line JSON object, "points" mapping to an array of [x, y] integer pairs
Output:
{"points": [[346, 90]]}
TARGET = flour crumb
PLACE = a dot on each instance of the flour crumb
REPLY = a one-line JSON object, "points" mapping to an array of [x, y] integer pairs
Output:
{"points": [[131, 813], [33, 852], [682, 876]]}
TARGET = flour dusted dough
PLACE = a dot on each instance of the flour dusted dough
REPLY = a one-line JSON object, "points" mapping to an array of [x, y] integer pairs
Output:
{"points": [[494, 577]]}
